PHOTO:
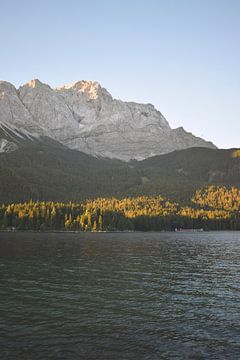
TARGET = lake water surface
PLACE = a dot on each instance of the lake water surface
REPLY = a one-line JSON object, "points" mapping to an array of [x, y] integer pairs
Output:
{"points": [[120, 296]]}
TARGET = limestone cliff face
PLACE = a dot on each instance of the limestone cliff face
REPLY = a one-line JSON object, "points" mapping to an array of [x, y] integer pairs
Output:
{"points": [[15, 118], [113, 128], [85, 117], [48, 110]]}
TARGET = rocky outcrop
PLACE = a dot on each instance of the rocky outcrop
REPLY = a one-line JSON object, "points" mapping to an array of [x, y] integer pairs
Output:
{"points": [[85, 117], [49, 110], [7, 146], [15, 119]]}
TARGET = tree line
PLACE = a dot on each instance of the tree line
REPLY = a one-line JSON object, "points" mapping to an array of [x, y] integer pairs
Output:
{"points": [[211, 208]]}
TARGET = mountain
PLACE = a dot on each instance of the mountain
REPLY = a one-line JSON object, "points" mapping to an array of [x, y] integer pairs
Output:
{"points": [[51, 171], [47, 170], [16, 122], [180, 173], [84, 117]]}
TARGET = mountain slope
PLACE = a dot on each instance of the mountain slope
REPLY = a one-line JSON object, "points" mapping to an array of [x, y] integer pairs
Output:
{"points": [[15, 119], [54, 172], [84, 116], [182, 172], [50, 171]]}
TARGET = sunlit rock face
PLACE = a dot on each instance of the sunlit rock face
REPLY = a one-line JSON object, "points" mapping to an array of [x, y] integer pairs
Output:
{"points": [[15, 118], [49, 110], [113, 128], [85, 117]]}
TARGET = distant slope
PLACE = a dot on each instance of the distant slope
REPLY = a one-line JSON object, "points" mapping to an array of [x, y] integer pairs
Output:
{"points": [[46, 170], [54, 172], [182, 172]]}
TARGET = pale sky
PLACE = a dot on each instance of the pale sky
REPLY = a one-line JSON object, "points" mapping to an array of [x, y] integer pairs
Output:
{"points": [[183, 56]]}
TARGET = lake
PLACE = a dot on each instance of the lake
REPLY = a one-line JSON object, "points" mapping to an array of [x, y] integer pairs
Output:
{"points": [[119, 296]]}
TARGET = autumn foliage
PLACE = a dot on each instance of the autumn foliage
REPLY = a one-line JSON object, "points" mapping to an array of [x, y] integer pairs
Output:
{"points": [[211, 208]]}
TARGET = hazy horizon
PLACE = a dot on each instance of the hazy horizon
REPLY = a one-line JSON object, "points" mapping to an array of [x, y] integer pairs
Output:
{"points": [[183, 57]]}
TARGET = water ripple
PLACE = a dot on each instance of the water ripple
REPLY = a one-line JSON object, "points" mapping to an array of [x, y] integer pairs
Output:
{"points": [[120, 296]]}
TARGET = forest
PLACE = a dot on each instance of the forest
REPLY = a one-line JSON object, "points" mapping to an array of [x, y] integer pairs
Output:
{"points": [[210, 208]]}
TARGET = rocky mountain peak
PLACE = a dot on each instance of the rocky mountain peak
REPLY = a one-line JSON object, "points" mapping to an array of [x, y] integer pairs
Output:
{"points": [[85, 117], [33, 86], [15, 119], [34, 83], [92, 89]]}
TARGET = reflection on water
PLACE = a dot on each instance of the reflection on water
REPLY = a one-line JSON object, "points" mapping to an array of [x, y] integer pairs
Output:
{"points": [[120, 296]]}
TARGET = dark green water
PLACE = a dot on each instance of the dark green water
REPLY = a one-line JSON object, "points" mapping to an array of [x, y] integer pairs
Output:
{"points": [[120, 296]]}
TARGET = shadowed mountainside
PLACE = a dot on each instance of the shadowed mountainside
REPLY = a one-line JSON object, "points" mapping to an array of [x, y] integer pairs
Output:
{"points": [[46, 170]]}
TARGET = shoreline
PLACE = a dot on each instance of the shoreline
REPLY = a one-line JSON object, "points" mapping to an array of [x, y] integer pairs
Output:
{"points": [[183, 231]]}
